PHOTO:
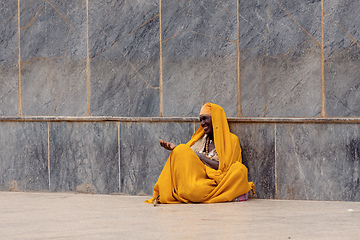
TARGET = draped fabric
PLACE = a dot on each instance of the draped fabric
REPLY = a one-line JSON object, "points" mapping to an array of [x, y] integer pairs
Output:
{"points": [[185, 178]]}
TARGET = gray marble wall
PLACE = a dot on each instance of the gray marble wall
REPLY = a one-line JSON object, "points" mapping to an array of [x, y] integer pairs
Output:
{"points": [[254, 58], [265, 58]]}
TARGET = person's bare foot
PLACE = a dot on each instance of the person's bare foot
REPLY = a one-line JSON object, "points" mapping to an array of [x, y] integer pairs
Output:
{"points": [[167, 145]]}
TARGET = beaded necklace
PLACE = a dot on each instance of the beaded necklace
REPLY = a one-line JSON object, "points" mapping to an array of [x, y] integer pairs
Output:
{"points": [[207, 146]]}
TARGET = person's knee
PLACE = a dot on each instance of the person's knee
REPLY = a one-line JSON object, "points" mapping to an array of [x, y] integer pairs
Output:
{"points": [[180, 149]]}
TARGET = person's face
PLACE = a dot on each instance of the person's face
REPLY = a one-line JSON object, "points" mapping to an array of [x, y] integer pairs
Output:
{"points": [[206, 123]]}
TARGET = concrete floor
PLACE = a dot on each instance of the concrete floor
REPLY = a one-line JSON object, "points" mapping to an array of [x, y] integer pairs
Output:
{"points": [[25, 215]]}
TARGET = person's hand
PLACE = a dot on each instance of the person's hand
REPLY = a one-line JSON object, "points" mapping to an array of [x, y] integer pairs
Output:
{"points": [[167, 145]]}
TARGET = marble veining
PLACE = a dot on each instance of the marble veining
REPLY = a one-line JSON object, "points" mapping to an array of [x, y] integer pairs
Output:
{"points": [[84, 154], [121, 58], [318, 162], [23, 157]]}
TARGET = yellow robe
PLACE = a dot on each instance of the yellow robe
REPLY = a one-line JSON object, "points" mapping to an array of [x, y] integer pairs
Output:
{"points": [[185, 178]]}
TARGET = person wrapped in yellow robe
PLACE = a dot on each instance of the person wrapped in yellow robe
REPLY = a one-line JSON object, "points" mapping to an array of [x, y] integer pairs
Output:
{"points": [[193, 177]]}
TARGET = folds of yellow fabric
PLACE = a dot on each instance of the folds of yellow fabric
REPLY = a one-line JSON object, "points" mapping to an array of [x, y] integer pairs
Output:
{"points": [[184, 178]]}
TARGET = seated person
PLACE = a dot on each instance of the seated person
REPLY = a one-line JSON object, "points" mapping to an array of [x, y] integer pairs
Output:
{"points": [[208, 169]]}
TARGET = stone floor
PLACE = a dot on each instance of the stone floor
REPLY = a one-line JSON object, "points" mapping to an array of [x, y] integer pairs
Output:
{"points": [[25, 215]]}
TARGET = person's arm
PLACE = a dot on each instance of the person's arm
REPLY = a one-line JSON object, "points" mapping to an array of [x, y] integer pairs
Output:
{"points": [[167, 145], [208, 161]]}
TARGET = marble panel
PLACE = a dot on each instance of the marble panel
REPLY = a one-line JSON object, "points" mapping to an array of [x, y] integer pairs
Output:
{"points": [[342, 35], [281, 63], [142, 158], [318, 161], [55, 29], [57, 88], [257, 143], [253, 17], [9, 90], [292, 63], [342, 86], [9, 51], [84, 157], [124, 52], [23, 156], [291, 24], [341, 27], [253, 87], [199, 56], [74, 14], [53, 54], [293, 83], [210, 17]]}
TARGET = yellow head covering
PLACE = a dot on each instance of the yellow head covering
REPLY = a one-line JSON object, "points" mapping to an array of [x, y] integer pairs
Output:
{"points": [[206, 109]]}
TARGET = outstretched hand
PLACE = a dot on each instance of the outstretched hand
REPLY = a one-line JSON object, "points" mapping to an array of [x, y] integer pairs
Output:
{"points": [[167, 145]]}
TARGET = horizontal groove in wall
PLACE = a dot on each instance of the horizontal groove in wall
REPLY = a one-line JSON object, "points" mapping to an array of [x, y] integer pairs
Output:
{"points": [[345, 120]]}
